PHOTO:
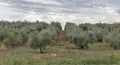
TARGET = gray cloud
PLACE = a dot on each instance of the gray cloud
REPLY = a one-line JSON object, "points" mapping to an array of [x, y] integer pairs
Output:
{"points": [[61, 10], [70, 5]]}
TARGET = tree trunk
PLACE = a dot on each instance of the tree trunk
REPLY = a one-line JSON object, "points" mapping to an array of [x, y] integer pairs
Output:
{"points": [[41, 51], [115, 48], [82, 47], [12, 46]]}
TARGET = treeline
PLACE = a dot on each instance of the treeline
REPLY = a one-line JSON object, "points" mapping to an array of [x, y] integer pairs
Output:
{"points": [[35, 34], [83, 34], [38, 34]]}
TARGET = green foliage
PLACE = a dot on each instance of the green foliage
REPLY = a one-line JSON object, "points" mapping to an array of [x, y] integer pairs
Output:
{"points": [[81, 40], [53, 31], [72, 30], [79, 37], [23, 30], [16, 33], [41, 34], [98, 32], [86, 33], [2, 34], [57, 25], [85, 26], [113, 39], [24, 33], [91, 37], [13, 39], [40, 40]]}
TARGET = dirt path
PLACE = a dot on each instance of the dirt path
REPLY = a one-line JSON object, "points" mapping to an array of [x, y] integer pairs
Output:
{"points": [[62, 36]]}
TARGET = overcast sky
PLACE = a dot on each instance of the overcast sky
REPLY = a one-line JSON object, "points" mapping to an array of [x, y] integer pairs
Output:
{"points": [[78, 11]]}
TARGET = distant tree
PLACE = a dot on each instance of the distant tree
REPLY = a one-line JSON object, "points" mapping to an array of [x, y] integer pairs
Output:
{"points": [[85, 26], [41, 25], [57, 25]]}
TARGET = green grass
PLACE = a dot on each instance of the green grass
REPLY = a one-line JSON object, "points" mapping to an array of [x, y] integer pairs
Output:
{"points": [[97, 46], [97, 55]]}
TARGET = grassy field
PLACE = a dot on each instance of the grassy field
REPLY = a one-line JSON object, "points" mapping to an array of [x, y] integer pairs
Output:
{"points": [[61, 54]]}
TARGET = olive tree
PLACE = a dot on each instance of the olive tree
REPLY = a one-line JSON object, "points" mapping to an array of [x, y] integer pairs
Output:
{"points": [[40, 40], [99, 33], [57, 25], [13, 39], [82, 40], [91, 36], [53, 33], [76, 35], [85, 26], [24, 33], [2, 34], [114, 40], [71, 29]]}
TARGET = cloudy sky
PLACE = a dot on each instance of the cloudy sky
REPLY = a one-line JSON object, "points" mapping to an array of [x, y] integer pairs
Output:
{"points": [[78, 11]]}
